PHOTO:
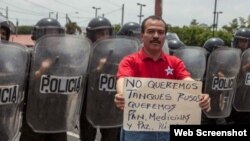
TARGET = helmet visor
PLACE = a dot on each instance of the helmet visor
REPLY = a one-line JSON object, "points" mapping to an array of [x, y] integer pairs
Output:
{"points": [[39, 32]]}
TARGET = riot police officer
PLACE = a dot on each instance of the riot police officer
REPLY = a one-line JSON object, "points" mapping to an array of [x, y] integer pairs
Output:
{"points": [[14, 60], [174, 44], [132, 29], [98, 28], [43, 27], [213, 43], [241, 40], [46, 26], [210, 45], [6, 28]]}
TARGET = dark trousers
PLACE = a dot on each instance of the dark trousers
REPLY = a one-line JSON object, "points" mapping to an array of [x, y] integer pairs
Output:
{"points": [[27, 134]]}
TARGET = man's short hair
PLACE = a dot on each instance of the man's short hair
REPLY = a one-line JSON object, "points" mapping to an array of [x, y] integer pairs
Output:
{"points": [[153, 17]]}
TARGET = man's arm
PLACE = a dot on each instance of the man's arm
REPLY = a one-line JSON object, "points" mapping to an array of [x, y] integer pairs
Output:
{"points": [[119, 99]]}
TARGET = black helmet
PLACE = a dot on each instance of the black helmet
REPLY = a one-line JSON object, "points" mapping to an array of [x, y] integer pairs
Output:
{"points": [[46, 26], [96, 24], [8, 26], [172, 36], [130, 29], [213, 43], [241, 34], [174, 45]]}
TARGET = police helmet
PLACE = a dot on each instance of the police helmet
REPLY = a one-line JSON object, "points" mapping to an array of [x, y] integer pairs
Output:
{"points": [[172, 36], [46, 26], [130, 29], [213, 43], [241, 34], [96, 24], [8, 26], [174, 45]]}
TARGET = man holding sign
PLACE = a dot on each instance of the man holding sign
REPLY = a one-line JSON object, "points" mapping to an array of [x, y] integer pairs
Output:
{"points": [[151, 62]]}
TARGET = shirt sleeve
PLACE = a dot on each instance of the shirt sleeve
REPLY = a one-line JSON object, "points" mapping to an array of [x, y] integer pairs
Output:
{"points": [[126, 67], [181, 70]]}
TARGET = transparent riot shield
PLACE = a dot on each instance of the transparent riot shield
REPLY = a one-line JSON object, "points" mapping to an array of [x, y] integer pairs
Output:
{"points": [[165, 47], [194, 59], [222, 70], [242, 95], [101, 110], [14, 60], [58, 73]]}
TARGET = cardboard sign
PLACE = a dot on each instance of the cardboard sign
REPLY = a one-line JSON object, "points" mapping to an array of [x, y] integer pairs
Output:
{"points": [[155, 104]]}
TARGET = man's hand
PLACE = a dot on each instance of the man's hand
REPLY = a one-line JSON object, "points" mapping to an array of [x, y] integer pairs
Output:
{"points": [[205, 102], [119, 101], [119, 98], [46, 64], [205, 99]]}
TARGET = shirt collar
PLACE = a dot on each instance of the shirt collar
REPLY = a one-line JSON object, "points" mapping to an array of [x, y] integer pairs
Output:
{"points": [[144, 56]]}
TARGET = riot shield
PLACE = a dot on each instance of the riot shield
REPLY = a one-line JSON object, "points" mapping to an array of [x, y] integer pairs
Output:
{"points": [[14, 60], [58, 73], [242, 95], [165, 47], [101, 110], [194, 59], [222, 70]]}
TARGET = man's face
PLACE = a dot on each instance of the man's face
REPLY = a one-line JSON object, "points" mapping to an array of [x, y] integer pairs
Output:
{"points": [[102, 34], [3, 34], [242, 44], [154, 35]]}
